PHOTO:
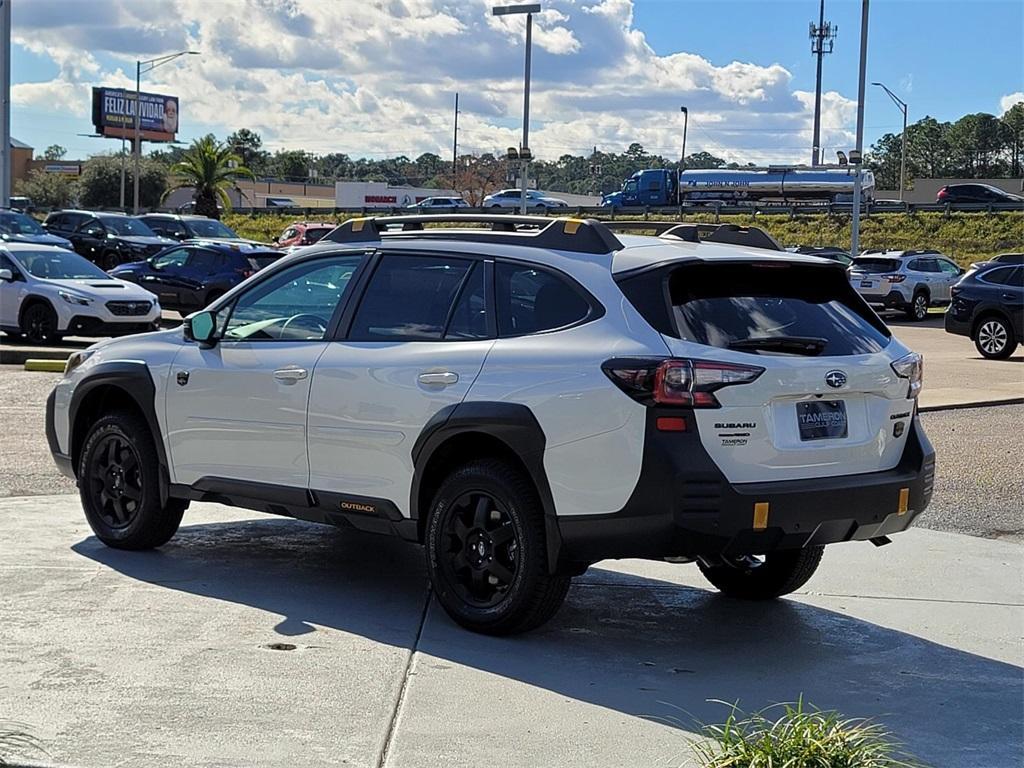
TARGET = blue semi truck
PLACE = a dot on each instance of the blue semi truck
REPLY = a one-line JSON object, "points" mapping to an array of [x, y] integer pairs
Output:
{"points": [[662, 186]]}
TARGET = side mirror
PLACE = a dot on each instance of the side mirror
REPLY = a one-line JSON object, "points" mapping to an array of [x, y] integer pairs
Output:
{"points": [[201, 327], [6, 275]]}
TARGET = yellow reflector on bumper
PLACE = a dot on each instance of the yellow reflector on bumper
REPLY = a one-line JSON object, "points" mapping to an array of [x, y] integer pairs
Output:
{"points": [[904, 504], [760, 515]]}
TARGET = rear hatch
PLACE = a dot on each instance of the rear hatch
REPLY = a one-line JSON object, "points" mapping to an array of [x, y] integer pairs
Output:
{"points": [[874, 276], [827, 401]]}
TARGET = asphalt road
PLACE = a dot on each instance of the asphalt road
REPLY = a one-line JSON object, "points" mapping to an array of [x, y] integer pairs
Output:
{"points": [[979, 487]]}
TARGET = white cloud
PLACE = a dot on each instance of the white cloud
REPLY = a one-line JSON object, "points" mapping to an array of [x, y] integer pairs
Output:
{"points": [[1009, 100], [378, 76]]}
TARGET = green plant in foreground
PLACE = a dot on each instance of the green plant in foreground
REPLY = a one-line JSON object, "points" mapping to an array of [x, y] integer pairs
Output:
{"points": [[15, 740], [802, 736]]}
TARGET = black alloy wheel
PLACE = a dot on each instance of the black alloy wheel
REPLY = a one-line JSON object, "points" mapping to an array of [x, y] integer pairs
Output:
{"points": [[115, 481], [39, 324], [480, 562]]}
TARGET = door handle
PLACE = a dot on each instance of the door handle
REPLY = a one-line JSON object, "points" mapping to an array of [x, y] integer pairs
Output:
{"points": [[438, 378], [1009, 296], [291, 374]]}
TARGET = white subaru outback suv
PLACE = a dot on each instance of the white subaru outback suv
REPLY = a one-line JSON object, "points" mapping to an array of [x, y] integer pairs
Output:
{"points": [[524, 396]]}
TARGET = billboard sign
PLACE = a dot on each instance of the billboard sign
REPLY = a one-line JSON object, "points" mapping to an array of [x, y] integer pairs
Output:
{"points": [[113, 114]]}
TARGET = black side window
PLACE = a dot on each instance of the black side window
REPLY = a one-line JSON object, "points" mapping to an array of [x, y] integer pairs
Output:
{"points": [[202, 261], [1001, 276], [409, 298], [469, 315], [6, 263], [531, 300], [91, 227]]}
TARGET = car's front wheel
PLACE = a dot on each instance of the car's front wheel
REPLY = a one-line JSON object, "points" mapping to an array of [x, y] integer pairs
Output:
{"points": [[486, 551], [39, 324], [119, 484], [994, 338], [751, 577]]}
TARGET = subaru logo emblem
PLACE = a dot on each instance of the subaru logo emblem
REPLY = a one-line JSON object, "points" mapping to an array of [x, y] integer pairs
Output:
{"points": [[131, 307], [835, 379]]}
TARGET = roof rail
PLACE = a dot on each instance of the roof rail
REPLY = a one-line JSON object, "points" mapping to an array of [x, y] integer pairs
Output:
{"points": [[562, 234], [731, 234]]}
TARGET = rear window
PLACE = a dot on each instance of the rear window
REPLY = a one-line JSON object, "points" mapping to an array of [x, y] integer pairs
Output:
{"points": [[876, 266], [259, 261], [787, 309]]}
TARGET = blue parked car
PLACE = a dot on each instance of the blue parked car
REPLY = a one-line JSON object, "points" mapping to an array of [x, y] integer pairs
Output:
{"points": [[193, 274], [18, 227]]}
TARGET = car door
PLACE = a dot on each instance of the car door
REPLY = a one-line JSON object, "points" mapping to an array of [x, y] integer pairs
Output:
{"points": [[950, 273], [193, 276], [163, 276], [89, 238], [10, 300], [415, 344], [236, 411]]}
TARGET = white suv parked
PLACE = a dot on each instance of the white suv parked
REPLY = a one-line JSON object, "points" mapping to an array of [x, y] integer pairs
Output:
{"points": [[524, 400], [47, 292], [511, 198], [910, 281]]}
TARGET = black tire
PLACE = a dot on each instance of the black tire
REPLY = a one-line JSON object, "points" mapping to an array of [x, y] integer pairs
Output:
{"points": [[118, 482], [39, 323], [994, 338], [763, 578], [917, 310], [109, 260], [486, 551]]}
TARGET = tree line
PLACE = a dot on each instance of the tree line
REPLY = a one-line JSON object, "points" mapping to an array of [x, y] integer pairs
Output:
{"points": [[977, 146]]}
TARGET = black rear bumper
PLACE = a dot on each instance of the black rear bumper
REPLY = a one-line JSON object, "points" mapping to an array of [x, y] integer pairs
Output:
{"points": [[684, 506]]}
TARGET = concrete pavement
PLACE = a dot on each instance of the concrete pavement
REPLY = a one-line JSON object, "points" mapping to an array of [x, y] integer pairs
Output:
{"points": [[180, 656]]}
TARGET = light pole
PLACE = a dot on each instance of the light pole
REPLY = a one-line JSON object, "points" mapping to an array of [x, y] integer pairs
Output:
{"points": [[686, 121], [903, 147], [855, 223], [140, 67], [524, 150]]}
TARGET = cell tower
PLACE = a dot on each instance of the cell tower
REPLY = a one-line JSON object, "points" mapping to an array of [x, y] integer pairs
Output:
{"points": [[823, 37]]}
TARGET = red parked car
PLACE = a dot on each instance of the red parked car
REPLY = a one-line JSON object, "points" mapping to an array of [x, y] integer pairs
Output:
{"points": [[302, 233]]}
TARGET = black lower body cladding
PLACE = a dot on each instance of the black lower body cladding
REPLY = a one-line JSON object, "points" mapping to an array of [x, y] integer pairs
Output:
{"points": [[684, 506]]}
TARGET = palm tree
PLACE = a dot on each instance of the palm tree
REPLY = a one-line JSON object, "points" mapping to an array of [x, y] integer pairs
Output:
{"points": [[211, 168]]}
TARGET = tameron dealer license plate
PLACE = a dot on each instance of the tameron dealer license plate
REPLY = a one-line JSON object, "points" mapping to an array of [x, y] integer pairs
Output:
{"points": [[821, 419]]}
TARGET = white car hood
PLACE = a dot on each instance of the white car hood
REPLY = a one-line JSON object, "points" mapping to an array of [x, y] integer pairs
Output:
{"points": [[104, 290]]}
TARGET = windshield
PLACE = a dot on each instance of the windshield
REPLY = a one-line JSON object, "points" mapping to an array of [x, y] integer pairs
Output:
{"points": [[124, 225], [19, 224], [209, 228], [59, 265], [875, 266]]}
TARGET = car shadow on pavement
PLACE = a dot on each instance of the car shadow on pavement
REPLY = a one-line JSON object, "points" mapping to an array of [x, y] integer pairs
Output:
{"points": [[639, 646]]}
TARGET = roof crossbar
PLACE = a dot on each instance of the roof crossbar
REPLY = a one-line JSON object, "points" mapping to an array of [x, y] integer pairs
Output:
{"points": [[562, 234]]}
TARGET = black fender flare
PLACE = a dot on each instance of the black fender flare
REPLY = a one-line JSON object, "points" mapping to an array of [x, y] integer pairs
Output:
{"points": [[133, 377], [511, 423], [34, 298]]}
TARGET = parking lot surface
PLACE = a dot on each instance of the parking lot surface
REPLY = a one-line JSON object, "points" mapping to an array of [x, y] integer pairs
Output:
{"points": [[180, 656]]}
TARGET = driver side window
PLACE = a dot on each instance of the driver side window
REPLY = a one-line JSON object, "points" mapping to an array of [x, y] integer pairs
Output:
{"points": [[92, 228], [172, 259], [295, 304]]}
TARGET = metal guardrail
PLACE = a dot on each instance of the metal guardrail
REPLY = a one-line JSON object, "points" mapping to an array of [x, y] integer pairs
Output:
{"points": [[609, 212]]}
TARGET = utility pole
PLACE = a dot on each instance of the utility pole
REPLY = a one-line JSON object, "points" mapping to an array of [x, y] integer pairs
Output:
{"points": [[455, 144], [855, 224], [903, 148], [823, 37], [5, 102], [686, 122]]}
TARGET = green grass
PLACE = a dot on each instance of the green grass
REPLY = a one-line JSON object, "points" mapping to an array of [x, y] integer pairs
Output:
{"points": [[800, 736], [966, 237]]}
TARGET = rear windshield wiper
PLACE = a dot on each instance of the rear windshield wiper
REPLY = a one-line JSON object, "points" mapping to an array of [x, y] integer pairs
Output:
{"points": [[797, 345]]}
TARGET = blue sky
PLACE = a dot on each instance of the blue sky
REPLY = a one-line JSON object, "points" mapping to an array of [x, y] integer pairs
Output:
{"points": [[375, 78]]}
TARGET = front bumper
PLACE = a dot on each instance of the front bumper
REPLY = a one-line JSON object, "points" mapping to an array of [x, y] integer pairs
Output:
{"points": [[85, 325], [683, 506], [62, 460]]}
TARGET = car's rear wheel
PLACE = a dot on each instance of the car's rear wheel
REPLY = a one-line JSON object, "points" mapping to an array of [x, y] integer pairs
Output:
{"points": [[39, 323], [119, 485], [994, 338], [764, 577], [918, 309], [486, 551]]}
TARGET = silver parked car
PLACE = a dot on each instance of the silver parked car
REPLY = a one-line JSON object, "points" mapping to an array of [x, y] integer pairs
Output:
{"points": [[908, 281], [535, 201]]}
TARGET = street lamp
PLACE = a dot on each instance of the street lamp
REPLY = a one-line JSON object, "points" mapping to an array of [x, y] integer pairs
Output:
{"points": [[903, 148], [140, 67], [524, 152], [686, 121]]}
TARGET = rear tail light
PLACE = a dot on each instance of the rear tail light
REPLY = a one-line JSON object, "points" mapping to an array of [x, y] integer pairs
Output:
{"points": [[911, 367], [682, 382], [955, 291], [942, 194], [895, 278]]}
